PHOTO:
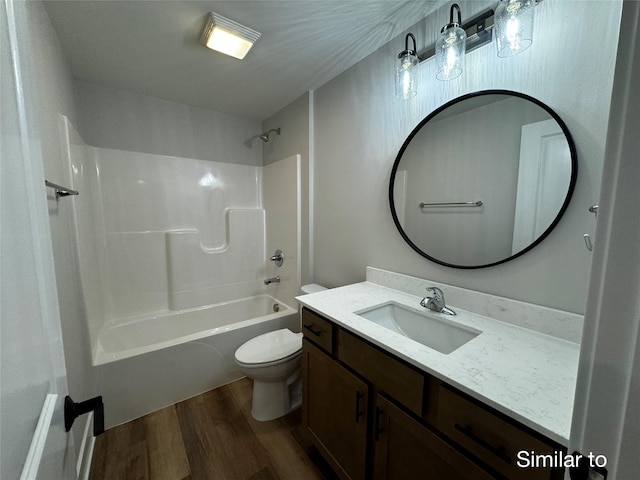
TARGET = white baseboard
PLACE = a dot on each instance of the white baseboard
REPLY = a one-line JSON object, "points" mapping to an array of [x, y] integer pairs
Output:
{"points": [[83, 466]]}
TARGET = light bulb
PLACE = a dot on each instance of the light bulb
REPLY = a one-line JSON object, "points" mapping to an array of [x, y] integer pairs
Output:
{"points": [[450, 48], [514, 26], [406, 86], [450, 52]]}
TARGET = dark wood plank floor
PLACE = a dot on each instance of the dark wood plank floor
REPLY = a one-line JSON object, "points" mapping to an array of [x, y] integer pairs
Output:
{"points": [[211, 436]]}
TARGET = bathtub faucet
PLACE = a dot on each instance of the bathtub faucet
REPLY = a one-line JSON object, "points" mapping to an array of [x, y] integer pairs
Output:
{"points": [[278, 258], [272, 280]]}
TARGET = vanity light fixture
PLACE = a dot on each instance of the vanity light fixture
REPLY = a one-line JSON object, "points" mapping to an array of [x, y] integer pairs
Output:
{"points": [[450, 48], [514, 26], [406, 86], [512, 21], [228, 37]]}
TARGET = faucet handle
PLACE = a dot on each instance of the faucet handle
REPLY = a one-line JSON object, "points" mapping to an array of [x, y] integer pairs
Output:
{"points": [[436, 303], [278, 258], [437, 293]]}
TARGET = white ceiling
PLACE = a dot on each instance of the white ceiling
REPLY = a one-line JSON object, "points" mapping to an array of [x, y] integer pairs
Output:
{"points": [[152, 46]]}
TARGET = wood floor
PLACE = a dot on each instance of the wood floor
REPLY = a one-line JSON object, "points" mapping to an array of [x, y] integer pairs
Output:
{"points": [[208, 437]]}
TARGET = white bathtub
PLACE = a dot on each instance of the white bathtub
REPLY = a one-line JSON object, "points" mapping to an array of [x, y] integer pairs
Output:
{"points": [[144, 364]]}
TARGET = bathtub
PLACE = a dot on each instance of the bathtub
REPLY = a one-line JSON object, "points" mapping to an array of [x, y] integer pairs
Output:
{"points": [[147, 363]]}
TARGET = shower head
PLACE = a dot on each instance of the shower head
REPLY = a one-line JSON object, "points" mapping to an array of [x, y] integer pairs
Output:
{"points": [[265, 136]]}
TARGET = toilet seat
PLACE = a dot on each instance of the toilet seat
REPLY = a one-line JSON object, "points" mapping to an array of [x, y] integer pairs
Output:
{"points": [[270, 348]]}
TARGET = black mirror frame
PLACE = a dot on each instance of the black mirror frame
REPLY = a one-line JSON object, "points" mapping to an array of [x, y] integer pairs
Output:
{"points": [[563, 208]]}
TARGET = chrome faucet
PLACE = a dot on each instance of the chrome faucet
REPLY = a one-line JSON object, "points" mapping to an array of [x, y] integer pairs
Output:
{"points": [[436, 303], [272, 280], [278, 258]]}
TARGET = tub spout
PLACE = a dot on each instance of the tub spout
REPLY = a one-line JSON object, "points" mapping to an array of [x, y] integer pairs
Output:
{"points": [[272, 280]]}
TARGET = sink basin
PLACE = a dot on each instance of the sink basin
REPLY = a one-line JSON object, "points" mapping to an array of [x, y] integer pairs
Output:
{"points": [[422, 326]]}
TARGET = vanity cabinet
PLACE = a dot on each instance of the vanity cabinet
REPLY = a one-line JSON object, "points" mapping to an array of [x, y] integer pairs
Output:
{"points": [[489, 435], [404, 448], [318, 329], [335, 411], [372, 415], [388, 374]]}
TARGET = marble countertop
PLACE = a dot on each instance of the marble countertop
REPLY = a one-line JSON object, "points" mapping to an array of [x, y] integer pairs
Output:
{"points": [[524, 374]]}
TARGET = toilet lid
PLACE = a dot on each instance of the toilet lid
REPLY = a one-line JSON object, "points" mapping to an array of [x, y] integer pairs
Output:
{"points": [[269, 347]]}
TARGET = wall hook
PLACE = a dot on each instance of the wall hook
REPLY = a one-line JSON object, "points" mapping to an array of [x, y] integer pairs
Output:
{"points": [[587, 238]]}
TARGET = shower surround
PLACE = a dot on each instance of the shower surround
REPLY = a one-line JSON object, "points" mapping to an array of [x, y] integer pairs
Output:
{"points": [[177, 249]]}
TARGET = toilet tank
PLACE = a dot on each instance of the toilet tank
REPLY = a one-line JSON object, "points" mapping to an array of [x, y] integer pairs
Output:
{"points": [[311, 288]]}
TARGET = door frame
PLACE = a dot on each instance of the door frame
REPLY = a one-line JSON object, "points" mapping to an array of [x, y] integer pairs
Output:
{"points": [[34, 377], [606, 414]]}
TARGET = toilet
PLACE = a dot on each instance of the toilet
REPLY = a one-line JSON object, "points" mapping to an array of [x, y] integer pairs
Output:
{"points": [[272, 360]]}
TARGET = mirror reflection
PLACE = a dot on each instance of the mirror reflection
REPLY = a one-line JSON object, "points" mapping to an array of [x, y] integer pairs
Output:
{"points": [[483, 179]]}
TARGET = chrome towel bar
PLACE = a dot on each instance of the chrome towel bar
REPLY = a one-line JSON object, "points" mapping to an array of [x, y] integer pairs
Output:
{"points": [[60, 190], [477, 203]]}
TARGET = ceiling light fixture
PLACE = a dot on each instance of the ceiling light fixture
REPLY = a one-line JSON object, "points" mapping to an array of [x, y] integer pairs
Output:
{"points": [[228, 37]]}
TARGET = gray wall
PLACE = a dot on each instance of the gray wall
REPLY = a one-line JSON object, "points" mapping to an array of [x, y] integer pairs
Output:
{"points": [[360, 126], [121, 120]]}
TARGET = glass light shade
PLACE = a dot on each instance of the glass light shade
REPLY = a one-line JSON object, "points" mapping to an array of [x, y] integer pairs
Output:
{"points": [[514, 26], [450, 50], [406, 85]]}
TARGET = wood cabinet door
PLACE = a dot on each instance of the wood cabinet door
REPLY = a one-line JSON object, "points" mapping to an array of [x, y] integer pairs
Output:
{"points": [[406, 449], [491, 437], [335, 412]]}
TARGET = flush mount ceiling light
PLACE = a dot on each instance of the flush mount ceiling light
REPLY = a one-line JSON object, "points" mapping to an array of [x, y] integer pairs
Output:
{"points": [[228, 37], [450, 48]]}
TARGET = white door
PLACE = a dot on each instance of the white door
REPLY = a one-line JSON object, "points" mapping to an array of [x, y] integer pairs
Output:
{"points": [[33, 379], [543, 180]]}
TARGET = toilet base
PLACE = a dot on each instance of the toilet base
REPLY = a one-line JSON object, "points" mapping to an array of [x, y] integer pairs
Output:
{"points": [[273, 400]]}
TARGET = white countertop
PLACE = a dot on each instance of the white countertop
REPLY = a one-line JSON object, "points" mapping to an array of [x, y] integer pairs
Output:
{"points": [[524, 374]]}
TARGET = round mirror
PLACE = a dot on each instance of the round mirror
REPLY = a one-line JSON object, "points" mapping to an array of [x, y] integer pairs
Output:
{"points": [[483, 179]]}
